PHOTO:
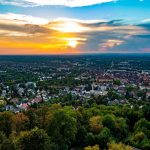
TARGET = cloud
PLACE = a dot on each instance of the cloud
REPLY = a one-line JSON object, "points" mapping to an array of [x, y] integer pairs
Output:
{"points": [[111, 43], [91, 35], [146, 21], [21, 25], [116, 37], [68, 3], [22, 19]]}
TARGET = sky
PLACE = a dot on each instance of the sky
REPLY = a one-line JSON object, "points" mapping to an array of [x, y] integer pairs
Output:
{"points": [[74, 26]]}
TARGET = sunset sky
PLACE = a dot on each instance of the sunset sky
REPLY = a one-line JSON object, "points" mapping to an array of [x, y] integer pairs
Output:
{"points": [[74, 26]]}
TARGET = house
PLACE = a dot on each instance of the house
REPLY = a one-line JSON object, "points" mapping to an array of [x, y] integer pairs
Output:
{"points": [[23, 106], [15, 100]]}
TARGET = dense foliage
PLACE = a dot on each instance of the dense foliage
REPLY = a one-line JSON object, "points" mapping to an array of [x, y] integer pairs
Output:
{"points": [[56, 127]]}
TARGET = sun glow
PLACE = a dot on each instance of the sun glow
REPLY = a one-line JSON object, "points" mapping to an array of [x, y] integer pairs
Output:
{"points": [[72, 43], [69, 26]]}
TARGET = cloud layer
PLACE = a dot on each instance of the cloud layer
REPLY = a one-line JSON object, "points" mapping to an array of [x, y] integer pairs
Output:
{"points": [[68, 3], [27, 35]]}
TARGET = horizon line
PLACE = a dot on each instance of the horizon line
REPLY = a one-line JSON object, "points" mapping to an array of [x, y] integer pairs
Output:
{"points": [[69, 54]]}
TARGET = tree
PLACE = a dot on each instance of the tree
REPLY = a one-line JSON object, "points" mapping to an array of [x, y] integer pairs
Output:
{"points": [[142, 134], [146, 110], [88, 87], [96, 124], [122, 129], [2, 102], [133, 117], [41, 113], [36, 139], [5, 143], [90, 139], [120, 146], [81, 136], [138, 137], [143, 125], [62, 128], [6, 122], [140, 140], [32, 116], [20, 122], [145, 144], [109, 122], [142, 94], [117, 82], [103, 138], [96, 147], [113, 95]]}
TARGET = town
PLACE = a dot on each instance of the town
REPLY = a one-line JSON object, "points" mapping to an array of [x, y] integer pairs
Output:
{"points": [[73, 80]]}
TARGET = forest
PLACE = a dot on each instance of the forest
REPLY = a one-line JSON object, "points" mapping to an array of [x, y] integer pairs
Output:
{"points": [[56, 127]]}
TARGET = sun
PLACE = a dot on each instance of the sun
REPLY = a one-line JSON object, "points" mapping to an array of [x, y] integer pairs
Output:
{"points": [[72, 43]]}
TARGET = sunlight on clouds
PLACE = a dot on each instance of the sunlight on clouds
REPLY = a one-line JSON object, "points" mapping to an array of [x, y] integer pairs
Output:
{"points": [[145, 20], [60, 19], [111, 43], [22, 19], [68, 26], [68, 3], [14, 34], [64, 35]]}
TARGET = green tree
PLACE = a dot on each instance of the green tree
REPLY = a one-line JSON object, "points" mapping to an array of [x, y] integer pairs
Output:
{"points": [[121, 131], [140, 140], [146, 110], [36, 139], [103, 138], [143, 125], [133, 116], [81, 136], [6, 122], [113, 95], [62, 128], [120, 146], [96, 147], [109, 122], [32, 116], [5, 143], [138, 137], [117, 82], [90, 139]]}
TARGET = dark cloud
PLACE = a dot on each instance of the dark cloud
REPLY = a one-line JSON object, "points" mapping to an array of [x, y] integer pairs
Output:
{"points": [[118, 22], [143, 36], [25, 28], [145, 25], [134, 38]]}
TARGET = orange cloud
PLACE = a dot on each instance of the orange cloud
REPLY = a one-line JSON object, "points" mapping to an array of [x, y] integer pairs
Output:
{"points": [[32, 35]]}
